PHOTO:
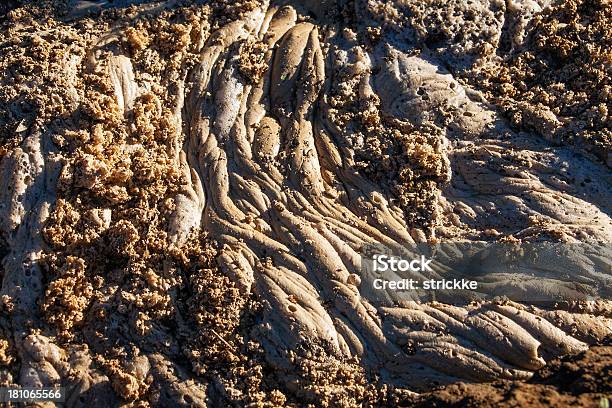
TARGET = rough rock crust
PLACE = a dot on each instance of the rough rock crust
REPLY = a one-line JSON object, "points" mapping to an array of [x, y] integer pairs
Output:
{"points": [[185, 191]]}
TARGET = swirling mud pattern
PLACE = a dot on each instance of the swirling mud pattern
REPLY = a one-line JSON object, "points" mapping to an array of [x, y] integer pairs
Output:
{"points": [[186, 189]]}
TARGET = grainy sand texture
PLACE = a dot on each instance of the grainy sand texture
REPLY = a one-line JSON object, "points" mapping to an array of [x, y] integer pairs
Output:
{"points": [[186, 189]]}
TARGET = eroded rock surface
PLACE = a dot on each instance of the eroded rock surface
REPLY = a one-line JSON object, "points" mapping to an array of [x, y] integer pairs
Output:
{"points": [[186, 192]]}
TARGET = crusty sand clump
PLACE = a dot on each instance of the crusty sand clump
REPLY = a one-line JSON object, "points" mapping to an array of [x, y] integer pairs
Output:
{"points": [[558, 82], [252, 60], [412, 163], [5, 355], [40, 59], [407, 160], [460, 32]]}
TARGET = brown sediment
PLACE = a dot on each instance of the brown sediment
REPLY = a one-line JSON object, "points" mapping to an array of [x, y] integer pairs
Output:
{"points": [[185, 192], [581, 380]]}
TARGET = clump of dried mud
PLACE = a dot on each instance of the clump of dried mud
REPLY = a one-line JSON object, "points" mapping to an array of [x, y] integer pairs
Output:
{"points": [[115, 289]]}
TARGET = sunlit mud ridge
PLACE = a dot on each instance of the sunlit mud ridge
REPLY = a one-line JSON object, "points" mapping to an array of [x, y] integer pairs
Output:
{"points": [[189, 188]]}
